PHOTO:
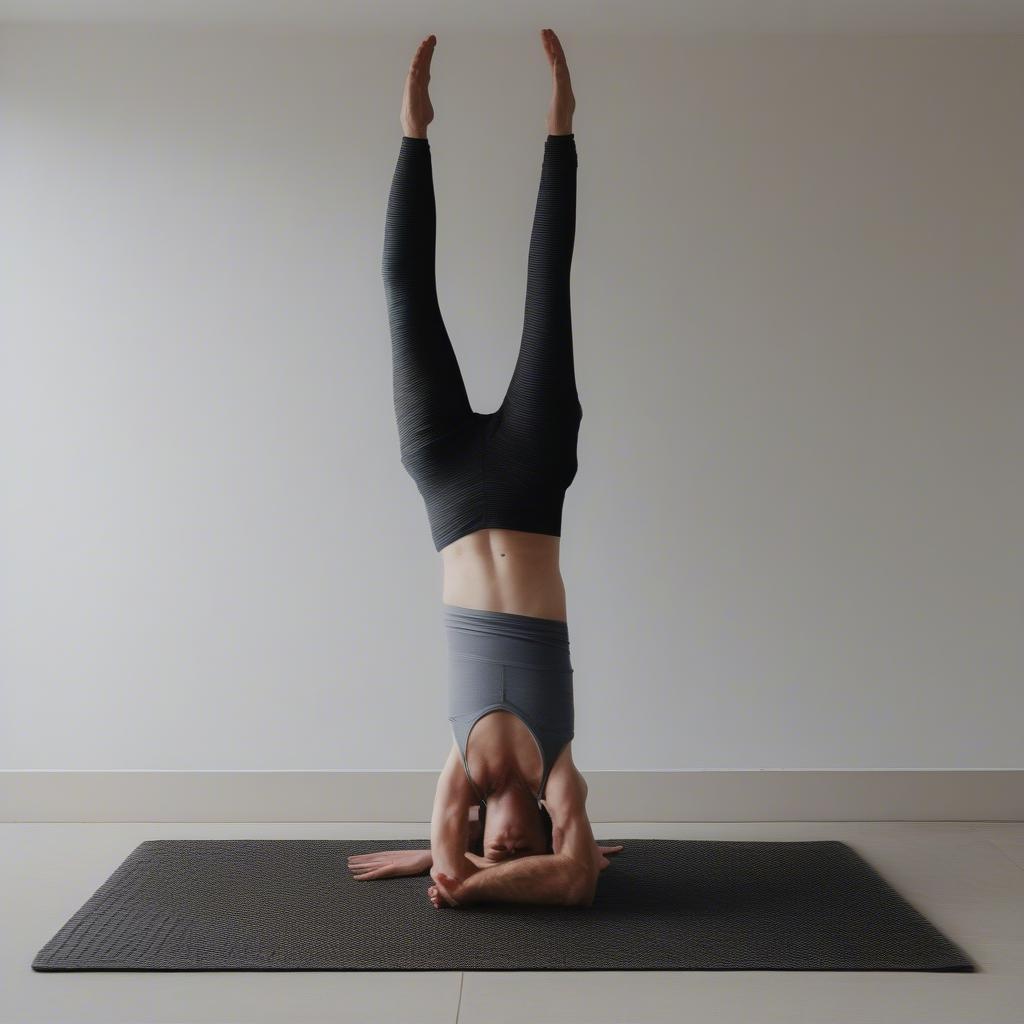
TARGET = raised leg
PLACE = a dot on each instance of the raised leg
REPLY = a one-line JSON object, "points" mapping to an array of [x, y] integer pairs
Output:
{"points": [[543, 386], [429, 392], [542, 394]]}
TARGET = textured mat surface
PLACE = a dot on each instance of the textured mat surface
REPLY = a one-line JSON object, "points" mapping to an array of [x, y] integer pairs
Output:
{"points": [[662, 904]]}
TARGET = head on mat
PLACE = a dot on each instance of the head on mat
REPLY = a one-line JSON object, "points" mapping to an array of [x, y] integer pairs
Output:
{"points": [[509, 821], [513, 824]]}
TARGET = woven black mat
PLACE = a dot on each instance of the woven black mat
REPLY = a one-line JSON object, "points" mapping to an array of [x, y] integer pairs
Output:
{"points": [[688, 905]]}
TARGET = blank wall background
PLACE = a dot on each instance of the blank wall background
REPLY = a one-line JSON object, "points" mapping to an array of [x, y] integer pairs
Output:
{"points": [[795, 539]]}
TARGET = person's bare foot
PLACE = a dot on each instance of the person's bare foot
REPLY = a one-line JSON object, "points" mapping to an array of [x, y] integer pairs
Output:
{"points": [[563, 103], [417, 111]]}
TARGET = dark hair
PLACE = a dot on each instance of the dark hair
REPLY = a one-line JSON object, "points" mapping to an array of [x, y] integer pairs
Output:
{"points": [[477, 845]]}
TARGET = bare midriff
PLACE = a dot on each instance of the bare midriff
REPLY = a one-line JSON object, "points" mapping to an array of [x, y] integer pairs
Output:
{"points": [[505, 571]]}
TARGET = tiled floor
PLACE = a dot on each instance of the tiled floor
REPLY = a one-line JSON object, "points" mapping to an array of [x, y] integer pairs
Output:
{"points": [[968, 878]]}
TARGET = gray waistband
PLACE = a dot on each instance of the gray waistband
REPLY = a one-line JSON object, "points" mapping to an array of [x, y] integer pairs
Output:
{"points": [[510, 624]]}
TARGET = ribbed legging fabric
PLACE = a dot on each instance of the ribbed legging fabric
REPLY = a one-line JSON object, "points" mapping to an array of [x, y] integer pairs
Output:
{"points": [[509, 468]]}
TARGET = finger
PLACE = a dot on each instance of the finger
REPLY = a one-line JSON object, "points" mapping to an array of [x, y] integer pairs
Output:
{"points": [[447, 887], [444, 892]]}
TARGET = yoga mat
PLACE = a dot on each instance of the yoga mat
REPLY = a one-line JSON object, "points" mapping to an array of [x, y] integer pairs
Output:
{"points": [[662, 904]]}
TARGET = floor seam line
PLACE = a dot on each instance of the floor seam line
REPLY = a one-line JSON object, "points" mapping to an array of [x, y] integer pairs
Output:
{"points": [[458, 1008], [995, 845]]}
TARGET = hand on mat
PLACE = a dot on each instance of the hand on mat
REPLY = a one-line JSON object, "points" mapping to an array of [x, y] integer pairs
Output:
{"points": [[604, 852], [389, 864]]}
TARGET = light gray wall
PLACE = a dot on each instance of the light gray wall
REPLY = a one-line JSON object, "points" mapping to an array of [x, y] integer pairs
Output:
{"points": [[795, 538]]}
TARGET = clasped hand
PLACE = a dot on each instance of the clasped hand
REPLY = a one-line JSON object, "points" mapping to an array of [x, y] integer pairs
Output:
{"points": [[449, 888]]}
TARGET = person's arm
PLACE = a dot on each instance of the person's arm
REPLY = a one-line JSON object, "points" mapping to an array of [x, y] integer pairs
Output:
{"points": [[565, 798], [566, 877], [449, 821], [547, 878]]}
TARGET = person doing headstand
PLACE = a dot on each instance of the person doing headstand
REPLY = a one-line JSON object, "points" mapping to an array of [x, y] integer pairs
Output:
{"points": [[509, 820]]}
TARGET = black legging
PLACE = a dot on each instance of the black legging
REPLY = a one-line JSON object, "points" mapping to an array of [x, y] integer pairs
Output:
{"points": [[509, 468]]}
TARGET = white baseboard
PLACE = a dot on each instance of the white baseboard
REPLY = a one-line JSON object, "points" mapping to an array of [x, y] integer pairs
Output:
{"points": [[241, 796]]}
